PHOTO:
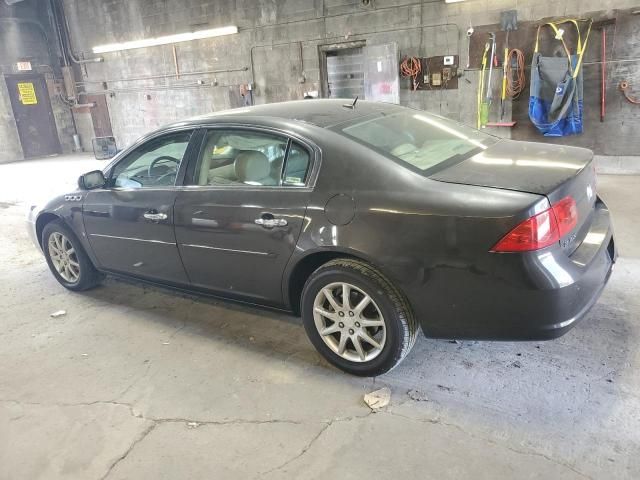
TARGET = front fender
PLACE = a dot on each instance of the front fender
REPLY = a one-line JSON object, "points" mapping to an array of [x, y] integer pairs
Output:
{"points": [[66, 208]]}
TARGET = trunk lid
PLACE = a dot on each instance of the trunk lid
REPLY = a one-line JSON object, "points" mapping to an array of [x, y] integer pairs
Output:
{"points": [[550, 170]]}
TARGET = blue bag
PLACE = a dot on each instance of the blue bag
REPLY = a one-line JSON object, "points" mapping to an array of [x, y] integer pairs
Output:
{"points": [[556, 88]]}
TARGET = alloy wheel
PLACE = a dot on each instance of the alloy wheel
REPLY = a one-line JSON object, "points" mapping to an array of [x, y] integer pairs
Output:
{"points": [[349, 322], [64, 257]]}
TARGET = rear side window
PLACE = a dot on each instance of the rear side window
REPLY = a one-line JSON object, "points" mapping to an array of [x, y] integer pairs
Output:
{"points": [[247, 157], [296, 169], [241, 157]]}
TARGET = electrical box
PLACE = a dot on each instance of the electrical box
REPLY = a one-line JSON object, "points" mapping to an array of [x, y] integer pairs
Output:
{"points": [[439, 73]]}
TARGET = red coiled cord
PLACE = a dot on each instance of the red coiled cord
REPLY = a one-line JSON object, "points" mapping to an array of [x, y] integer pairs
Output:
{"points": [[411, 67]]}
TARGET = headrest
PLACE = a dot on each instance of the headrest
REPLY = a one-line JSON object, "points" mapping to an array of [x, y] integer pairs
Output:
{"points": [[252, 166]]}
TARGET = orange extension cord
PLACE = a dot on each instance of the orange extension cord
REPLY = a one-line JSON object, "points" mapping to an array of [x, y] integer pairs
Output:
{"points": [[515, 84], [411, 67]]}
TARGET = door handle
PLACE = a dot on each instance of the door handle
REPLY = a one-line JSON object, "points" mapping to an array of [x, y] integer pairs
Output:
{"points": [[271, 222], [155, 216]]}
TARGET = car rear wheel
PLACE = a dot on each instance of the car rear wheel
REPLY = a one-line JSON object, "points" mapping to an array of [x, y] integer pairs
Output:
{"points": [[67, 259], [356, 318]]}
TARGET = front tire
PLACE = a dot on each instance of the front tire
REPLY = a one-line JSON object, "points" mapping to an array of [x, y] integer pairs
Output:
{"points": [[66, 258], [356, 318]]}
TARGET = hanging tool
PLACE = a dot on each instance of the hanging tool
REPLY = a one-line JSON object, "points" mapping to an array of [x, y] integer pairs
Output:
{"points": [[504, 76], [492, 36], [508, 22], [481, 83], [515, 81], [484, 111], [470, 31], [603, 71], [603, 84]]}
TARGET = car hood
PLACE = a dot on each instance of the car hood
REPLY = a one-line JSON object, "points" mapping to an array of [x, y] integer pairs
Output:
{"points": [[523, 166]]}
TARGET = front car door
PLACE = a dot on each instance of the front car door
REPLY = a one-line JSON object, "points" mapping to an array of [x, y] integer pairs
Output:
{"points": [[238, 221], [129, 223]]}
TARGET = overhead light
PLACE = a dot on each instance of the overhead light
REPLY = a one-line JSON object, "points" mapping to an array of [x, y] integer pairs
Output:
{"points": [[168, 39], [453, 1]]}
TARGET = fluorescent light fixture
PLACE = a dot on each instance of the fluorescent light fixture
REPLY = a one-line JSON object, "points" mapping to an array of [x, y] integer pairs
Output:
{"points": [[453, 1], [168, 39]]}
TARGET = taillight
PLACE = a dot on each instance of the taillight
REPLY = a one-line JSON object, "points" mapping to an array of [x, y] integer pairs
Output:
{"points": [[566, 212], [541, 230]]}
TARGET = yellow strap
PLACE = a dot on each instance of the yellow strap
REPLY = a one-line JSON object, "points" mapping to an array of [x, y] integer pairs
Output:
{"points": [[581, 48], [535, 50], [556, 30], [581, 55], [564, 44]]}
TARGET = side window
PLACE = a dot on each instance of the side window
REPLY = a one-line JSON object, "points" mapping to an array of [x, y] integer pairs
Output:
{"points": [[240, 157], [297, 167], [153, 164]]}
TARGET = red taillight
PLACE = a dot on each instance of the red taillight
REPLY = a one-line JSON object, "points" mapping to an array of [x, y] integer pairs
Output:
{"points": [[566, 212], [541, 230]]}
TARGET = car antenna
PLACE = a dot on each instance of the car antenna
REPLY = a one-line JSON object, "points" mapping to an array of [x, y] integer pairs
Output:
{"points": [[351, 105]]}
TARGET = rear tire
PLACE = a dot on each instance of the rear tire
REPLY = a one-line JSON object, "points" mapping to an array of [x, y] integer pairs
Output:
{"points": [[66, 258], [369, 334]]}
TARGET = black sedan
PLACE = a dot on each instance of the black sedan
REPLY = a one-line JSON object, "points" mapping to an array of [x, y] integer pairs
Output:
{"points": [[369, 221]]}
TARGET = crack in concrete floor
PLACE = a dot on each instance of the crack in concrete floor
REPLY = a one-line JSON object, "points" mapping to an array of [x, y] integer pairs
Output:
{"points": [[326, 425]]}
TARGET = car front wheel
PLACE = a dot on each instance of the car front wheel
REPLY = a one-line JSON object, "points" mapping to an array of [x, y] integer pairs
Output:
{"points": [[356, 318], [67, 259]]}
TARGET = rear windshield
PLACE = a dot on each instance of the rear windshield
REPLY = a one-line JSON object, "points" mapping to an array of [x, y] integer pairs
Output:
{"points": [[421, 141]]}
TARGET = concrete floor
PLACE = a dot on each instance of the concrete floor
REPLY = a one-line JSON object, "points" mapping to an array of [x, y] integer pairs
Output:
{"points": [[136, 382]]}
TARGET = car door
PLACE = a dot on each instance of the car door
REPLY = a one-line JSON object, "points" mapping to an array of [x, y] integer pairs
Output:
{"points": [[238, 222], [129, 223]]}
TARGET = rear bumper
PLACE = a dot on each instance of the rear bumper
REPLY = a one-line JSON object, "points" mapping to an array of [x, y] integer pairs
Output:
{"points": [[534, 296]]}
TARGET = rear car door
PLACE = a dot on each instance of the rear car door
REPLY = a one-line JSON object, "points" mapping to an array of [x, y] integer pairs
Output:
{"points": [[129, 223], [238, 221]]}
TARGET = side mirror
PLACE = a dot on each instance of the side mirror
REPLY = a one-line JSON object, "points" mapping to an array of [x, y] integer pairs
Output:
{"points": [[91, 180]]}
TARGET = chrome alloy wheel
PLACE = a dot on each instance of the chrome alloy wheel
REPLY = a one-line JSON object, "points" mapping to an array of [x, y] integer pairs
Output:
{"points": [[64, 258], [349, 322]]}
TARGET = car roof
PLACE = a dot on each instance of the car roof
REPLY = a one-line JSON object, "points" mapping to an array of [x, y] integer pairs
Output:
{"points": [[323, 113]]}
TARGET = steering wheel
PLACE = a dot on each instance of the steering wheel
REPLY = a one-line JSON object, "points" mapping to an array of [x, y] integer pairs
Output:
{"points": [[161, 159]]}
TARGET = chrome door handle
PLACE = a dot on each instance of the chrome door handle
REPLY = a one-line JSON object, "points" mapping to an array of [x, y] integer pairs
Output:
{"points": [[155, 216], [271, 222]]}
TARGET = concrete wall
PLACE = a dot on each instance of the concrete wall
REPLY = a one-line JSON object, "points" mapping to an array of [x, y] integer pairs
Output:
{"points": [[266, 52], [26, 33]]}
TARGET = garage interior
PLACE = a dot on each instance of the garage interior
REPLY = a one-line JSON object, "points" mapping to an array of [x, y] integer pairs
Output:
{"points": [[132, 381]]}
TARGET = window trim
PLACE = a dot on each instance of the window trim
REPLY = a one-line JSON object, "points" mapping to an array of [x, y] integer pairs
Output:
{"points": [[315, 156]]}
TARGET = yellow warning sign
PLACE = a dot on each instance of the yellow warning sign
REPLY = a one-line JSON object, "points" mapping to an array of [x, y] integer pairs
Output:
{"points": [[27, 93]]}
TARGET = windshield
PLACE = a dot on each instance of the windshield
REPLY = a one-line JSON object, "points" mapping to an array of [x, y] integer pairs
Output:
{"points": [[421, 140]]}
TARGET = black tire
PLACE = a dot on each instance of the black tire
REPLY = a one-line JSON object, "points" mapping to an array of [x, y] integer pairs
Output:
{"points": [[401, 326], [88, 277]]}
